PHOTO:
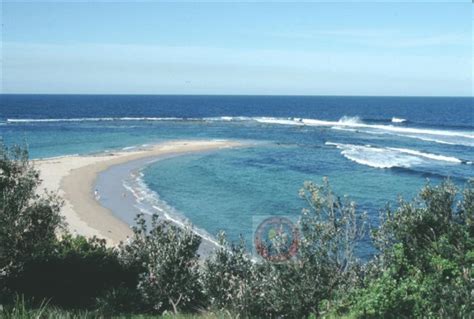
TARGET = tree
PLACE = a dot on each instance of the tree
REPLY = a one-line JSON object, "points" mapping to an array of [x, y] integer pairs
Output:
{"points": [[325, 263], [227, 276], [28, 221], [167, 256], [73, 273], [424, 268]]}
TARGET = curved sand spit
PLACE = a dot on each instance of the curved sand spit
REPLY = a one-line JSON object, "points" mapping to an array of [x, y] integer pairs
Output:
{"points": [[73, 177]]}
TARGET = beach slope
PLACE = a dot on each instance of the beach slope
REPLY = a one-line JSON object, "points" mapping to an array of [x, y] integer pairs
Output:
{"points": [[74, 177]]}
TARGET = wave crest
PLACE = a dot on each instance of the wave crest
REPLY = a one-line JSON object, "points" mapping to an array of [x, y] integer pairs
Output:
{"points": [[454, 137], [389, 157], [398, 120]]}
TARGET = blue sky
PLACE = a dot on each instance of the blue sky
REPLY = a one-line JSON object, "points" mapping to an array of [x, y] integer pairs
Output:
{"points": [[238, 48]]}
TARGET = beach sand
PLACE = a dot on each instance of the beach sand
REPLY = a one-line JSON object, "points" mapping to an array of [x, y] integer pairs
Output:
{"points": [[74, 177]]}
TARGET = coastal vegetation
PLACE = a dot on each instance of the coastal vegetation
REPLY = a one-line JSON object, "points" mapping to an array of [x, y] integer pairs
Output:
{"points": [[422, 264]]}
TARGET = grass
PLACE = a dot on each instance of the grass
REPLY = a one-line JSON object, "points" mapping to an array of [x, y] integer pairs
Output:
{"points": [[21, 310]]}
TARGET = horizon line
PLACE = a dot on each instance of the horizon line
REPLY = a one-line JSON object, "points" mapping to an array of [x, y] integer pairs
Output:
{"points": [[255, 95]]}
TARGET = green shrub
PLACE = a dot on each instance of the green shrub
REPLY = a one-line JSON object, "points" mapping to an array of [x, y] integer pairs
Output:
{"points": [[426, 259], [330, 229], [168, 259], [73, 274], [28, 221], [423, 267], [227, 277]]}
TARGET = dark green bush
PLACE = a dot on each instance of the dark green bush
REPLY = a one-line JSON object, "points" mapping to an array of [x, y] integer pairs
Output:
{"points": [[227, 278], [426, 259], [330, 228], [28, 221], [73, 274], [167, 256], [423, 267]]}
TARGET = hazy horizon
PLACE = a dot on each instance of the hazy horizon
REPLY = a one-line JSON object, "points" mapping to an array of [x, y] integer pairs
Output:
{"points": [[256, 95], [308, 49]]}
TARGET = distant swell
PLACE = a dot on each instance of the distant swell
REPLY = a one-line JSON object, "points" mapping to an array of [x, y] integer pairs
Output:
{"points": [[354, 124], [94, 119], [390, 157], [453, 137]]}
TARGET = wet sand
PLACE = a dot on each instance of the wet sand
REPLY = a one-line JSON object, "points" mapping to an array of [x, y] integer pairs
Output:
{"points": [[74, 178]]}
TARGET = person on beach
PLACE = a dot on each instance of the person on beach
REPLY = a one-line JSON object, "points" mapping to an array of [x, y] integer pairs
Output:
{"points": [[96, 194]]}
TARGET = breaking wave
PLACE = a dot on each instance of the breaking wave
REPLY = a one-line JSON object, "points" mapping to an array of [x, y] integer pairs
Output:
{"points": [[149, 203], [454, 137], [398, 120], [98, 119], [465, 138], [390, 157]]}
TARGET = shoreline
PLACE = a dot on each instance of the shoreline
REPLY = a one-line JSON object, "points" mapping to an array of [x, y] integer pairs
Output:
{"points": [[75, 177], [123, 191]]}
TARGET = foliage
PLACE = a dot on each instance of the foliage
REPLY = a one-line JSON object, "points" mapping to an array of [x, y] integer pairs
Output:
{"points": [[227, 278], [330, 228], [423, 267], [28, 221], [167, 255], [73, 273], [426, 257]]}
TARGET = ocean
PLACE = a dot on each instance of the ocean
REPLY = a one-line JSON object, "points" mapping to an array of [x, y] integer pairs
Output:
{"points": [[372, 149]]}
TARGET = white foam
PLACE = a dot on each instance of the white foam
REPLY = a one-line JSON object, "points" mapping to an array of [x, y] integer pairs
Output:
{"points": [[349, 123], [354, 123], [349, 120], [344, 122], [273, 120], [343, 129], [91, 119], [135, 194], [411, 130], [146, 197], [436, 140], [390, 128], [428, 155], [389, 157], [398, 120], [95, 119]]}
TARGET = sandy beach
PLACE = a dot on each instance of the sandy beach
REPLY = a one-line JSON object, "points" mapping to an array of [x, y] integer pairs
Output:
{"points": [[74, 177]]}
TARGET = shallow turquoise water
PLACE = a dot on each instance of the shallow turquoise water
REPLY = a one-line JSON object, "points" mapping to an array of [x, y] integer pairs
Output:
{"points": [[372, 149], [228, 190]]}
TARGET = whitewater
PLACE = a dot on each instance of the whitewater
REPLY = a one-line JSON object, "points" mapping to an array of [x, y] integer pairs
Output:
{"points": [[388, 157], [435, 135], [373, 149]]}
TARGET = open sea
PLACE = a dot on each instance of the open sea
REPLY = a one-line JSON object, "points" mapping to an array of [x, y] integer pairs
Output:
{"points": [[373, 149]]}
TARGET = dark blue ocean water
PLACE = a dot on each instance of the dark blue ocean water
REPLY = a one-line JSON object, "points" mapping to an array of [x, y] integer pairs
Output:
{"points": [[371, 148]]}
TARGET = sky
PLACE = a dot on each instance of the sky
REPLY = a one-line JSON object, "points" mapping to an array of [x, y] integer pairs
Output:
{"points": [[319, 48]]}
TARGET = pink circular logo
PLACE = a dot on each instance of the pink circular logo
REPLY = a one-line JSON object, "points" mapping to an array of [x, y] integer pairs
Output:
{"points": [[277, 239]]}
